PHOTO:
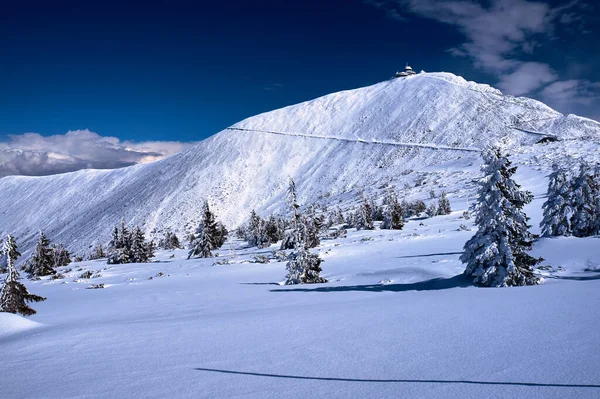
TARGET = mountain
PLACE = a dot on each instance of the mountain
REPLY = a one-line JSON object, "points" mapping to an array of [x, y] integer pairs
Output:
{"points": [[415, 133]]}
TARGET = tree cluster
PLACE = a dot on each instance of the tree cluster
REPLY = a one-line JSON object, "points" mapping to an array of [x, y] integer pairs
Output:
{"points": [[572, 206], [129, 246]]}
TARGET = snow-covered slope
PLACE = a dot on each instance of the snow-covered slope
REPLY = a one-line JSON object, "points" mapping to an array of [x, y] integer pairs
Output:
{"points": [[402, 132]]}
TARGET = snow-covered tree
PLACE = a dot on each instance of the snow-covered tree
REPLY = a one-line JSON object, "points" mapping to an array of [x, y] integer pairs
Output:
{"points": [[293, 236], [432, 210], [443, 204], [169, 241], [584, 203], [394, 215], [256, 232], [273, 229], [496, 256], [14, 295], [557, 208], [303, 267], [41, 262], [364, 216], [129, 246], [139, 248], [207, 235], [97, 252], [61, 255]]}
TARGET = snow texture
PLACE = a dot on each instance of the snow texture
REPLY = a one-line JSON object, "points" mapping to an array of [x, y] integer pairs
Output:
{"points": [[398, 132]]}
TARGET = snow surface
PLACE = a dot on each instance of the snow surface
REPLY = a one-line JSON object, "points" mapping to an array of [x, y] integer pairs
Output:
{"points": [[395, 320], [417, 133]]}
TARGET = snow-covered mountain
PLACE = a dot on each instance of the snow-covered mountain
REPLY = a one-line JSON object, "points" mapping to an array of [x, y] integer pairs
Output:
{"points": [[415, 133]]}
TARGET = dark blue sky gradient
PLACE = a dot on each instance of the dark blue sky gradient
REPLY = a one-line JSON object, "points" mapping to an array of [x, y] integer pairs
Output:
{"points": [[184, 70]]}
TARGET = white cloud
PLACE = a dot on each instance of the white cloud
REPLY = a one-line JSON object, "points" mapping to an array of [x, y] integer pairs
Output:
{"points": [[528, 77], [497, 33], [572, 92], [35, 155]]}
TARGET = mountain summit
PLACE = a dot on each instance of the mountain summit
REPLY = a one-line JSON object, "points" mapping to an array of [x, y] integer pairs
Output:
{"points": [[390, 134]]}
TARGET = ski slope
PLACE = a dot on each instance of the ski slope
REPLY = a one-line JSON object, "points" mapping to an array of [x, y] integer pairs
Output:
{"points": [[400, 133]]}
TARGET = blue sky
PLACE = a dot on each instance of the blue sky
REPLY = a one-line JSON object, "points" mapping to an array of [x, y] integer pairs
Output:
{"points": [[135, 73]]}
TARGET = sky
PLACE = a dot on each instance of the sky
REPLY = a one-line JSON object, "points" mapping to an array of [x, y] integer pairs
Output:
{"points": [[112, 83]]}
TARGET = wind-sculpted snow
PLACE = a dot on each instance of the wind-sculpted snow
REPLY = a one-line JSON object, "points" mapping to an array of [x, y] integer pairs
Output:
{"points": [[414, 133]]}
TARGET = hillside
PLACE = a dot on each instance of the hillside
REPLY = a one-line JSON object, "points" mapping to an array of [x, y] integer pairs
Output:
{"points": [[413, 133]]}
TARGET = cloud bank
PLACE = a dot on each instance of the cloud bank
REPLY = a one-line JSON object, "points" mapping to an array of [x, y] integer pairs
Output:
{"points": [[501, 35], [32, 154]]}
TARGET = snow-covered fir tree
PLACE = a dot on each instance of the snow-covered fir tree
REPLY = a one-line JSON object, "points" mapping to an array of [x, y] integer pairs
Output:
{"points": [[207, 235], [169, 241], [364, 217], [432, 210], [557, 208], [303, 267], [256, 232], [140, 250], [293, 235], [496, 256], [61, 255], [272, 229], [393, 216], [97, 252], [443, 204], [584, 191], [14, 295], [129, 246], [41, 262]]}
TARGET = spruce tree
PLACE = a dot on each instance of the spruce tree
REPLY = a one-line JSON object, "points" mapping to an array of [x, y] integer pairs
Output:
{"points": [[41, 262], [393, 216], [206, 235], [303, 266], [14, 295], [496, 256], [61, 256], [443, 204], [557, 208], [139, 247], [584, 200], [364, 216]]}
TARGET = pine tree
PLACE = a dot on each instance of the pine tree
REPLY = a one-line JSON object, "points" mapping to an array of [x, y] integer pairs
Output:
{"points": [[584, 200], [41, 262], [139, 247], [206, 235], [364, 219], [14, 295], [557, 208], [272, 229], [443, 204], [303, 266], [394, 215], [61, 256], [496, 256], [293, 236]]}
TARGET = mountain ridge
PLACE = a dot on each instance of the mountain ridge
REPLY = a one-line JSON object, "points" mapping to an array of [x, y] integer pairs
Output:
{"points": [[383, 135]]}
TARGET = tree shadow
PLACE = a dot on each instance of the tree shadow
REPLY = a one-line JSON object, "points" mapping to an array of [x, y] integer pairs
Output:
{"points": [[423, 381], [575, 278], [424, 256], [429, 285], [260, 283]]}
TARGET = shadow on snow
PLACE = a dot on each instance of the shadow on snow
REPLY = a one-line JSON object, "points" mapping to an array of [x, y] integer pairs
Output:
{"points": [[428, 285], [424, 381]]}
